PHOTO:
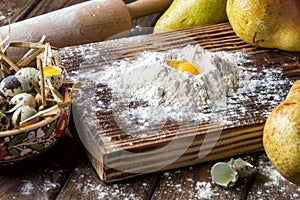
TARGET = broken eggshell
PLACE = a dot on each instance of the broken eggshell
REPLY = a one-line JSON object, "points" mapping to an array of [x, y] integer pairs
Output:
{"points": [[244, 168], [53, 76], [226, 173], [223, 175]]}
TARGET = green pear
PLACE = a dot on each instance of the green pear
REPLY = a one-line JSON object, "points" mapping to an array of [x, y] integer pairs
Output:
{"points": [[184, 14], [266, 23], [281, 136]]}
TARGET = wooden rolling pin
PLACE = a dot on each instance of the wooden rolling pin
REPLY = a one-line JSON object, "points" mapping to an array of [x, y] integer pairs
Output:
{"points": [[87, 22]]}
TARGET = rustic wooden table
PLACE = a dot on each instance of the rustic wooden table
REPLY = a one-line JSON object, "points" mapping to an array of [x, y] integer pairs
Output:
{"points": [[64, 172]]}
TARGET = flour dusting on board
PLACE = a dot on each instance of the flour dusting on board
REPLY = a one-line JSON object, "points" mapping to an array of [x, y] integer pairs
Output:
{"points": [[149, 78], [144, 92]]}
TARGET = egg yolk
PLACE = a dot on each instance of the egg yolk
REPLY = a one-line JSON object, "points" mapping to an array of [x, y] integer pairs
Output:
{"points": [[185, 66], [50, 71]]}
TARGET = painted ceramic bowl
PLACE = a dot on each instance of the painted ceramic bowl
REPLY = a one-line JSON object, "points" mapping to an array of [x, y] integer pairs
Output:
{"points": [[27, 142]]}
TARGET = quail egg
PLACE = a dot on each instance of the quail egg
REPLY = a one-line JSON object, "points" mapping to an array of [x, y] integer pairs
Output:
{"points": [[11, 86], [28, 73], [21, 100], [54, 75], [4, 122], [23, 113]]}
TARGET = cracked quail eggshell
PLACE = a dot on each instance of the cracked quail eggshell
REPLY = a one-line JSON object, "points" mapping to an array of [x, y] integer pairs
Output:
{"points": [[54, 75], [223, 175], [244, 168]]}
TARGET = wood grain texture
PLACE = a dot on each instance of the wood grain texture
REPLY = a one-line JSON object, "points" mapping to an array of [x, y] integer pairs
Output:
{"points": [[58, 172], [44, 176], [16, 10], [47, 176], [84, 184], [195, 183], [269, 184], [244, 135], [46, 6]]}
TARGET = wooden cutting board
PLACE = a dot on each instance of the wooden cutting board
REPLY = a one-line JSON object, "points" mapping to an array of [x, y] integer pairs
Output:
{"points": [[116, 156]]}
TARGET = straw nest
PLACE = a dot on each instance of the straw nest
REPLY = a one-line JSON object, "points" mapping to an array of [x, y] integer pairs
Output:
{"points": [[34, 87]]}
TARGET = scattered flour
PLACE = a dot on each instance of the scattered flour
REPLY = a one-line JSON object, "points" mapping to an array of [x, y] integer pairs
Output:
{"points": [[141, 104], [204, 190], [183, 187], [48, 185], [143, 92], [273, 182], [27, 188], [274, 177], [90, 187]]}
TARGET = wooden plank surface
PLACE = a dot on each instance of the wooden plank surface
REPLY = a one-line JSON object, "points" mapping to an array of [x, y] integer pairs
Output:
{"points": [[65, 171], [243, 136], [195, 183], [84, 184], [15, 10], [44, 176], [53, 173], [269, 184], [46, 6]]}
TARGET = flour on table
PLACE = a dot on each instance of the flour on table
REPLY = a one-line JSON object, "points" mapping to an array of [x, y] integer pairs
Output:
{"points": [[272, 183], [27, 188], [145, 92], [204, 190]]}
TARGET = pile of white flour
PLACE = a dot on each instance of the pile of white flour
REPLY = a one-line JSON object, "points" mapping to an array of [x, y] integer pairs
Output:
{"points": [[149, 78]]}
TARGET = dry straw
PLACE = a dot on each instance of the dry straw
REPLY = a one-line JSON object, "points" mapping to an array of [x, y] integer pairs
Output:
{"points": [[39, 54]]}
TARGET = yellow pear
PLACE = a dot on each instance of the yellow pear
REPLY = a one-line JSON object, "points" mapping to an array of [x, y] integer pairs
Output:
{"points": [[266, 23], [184, 14], [281, 136]]}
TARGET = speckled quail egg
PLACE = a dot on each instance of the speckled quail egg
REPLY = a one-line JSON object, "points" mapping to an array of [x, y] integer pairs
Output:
{"points": [[22, 99], [11, 86], [4, 122], [54, 75], [28, 73], [21, 114]]}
